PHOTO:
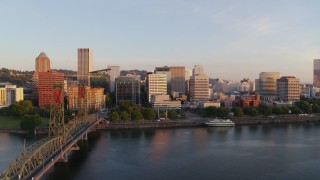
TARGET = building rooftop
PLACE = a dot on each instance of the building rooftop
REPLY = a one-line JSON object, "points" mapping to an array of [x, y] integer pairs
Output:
{"points": [[42, 55]]}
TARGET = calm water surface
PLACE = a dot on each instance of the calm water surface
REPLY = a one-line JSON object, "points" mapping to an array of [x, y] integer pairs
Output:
{"points": [[245, 152]]}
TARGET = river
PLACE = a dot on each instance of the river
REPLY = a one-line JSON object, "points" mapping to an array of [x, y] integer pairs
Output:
{"points": [[245, 152]]}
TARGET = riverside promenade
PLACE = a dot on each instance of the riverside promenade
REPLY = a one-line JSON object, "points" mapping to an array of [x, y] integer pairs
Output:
{"points": [[275, 119], [192, 120]]}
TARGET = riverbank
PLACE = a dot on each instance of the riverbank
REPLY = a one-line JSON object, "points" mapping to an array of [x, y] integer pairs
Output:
{"points": [[192, 121], [147, 124], [19, 131], [274, 120], [198, 122], [12, 124]]}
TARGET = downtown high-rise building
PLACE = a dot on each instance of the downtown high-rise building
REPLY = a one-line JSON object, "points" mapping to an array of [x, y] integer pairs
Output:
{"points": [[84, 65], [178, 80], [175, 79], [288, 88], [42, 65], [268, 85], [47, 80], [199, 85], [128, 88], [165, 70], [198, 70], [113, 72], [156, 84], [316, 73]]}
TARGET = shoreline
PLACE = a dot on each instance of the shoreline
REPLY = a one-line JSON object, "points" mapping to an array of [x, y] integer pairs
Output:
{"points": [[188, 122]]}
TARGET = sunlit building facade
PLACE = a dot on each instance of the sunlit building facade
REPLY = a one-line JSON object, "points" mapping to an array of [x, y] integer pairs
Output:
{"points": [[10, 94], [47, 80], [156, 84], [288, 88], [268, 85]]}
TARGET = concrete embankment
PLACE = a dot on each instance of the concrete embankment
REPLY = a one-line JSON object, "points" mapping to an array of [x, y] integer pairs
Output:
{"points": [[19, 131], [274, 120], [148, 124]]}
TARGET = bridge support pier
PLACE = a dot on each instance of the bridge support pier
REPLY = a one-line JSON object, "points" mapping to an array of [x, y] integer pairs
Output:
{"points": [[85, 137], [63, 158]]}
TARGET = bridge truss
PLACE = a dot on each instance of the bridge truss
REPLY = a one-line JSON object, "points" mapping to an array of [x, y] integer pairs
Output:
{"points": [[42, 152]]}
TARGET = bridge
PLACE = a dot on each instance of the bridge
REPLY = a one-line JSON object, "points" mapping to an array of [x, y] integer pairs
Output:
{"points": [[37, 159]]}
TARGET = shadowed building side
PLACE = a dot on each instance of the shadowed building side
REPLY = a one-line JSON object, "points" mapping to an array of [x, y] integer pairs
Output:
{"points": [[316, 73]]}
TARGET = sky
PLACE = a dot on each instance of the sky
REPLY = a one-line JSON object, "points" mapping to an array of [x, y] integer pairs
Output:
{"points": [[232, 39]]}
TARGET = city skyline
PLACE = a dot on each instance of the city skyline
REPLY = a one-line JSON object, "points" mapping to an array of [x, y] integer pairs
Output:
{"points": [[231, 40]]}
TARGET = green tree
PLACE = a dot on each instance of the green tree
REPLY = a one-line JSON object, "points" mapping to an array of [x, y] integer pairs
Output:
{"points": [[238, 112], [124, 105], [5, 111], [211, 111], [149, 114], [285, 110], [44, 111], [124, 116], [304, 106], [222, 112], [115, 116], [295, 110], [136, 114], [201, 112], [172, 114], [252, 111], [315, 108], [266, 110], [277, 110], [29, 122]]}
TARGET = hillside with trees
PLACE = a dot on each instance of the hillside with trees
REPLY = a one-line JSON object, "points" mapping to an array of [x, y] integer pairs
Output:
{"points": [[16, 77]]}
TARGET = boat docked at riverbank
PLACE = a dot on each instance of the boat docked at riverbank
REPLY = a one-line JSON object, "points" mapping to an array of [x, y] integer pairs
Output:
{"points": [[220, 123]]}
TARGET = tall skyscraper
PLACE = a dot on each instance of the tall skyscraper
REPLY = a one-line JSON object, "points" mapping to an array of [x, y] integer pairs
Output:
{"points": [[165, 71], [84, 65], [42, 65], [114, 72], [288, 88], [268, 85], [199, 85], [157, 84], [177, 80], [316, 73]]}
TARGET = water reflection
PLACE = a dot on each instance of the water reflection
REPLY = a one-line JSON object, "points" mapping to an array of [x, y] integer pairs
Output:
{"points": [[246, 152], [77, 159], [159, 145]]}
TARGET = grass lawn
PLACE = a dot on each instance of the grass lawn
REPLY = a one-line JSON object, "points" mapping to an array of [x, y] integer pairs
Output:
{"points": [[7, 122]]}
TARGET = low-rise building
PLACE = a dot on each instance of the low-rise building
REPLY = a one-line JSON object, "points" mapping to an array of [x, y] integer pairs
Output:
{"points": [[95, 98], [250, 101], [206, 104], [164, 102], [10, 94]]}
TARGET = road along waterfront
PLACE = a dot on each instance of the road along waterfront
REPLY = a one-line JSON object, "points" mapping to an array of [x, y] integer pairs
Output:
{"points": [[279, 151]]}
